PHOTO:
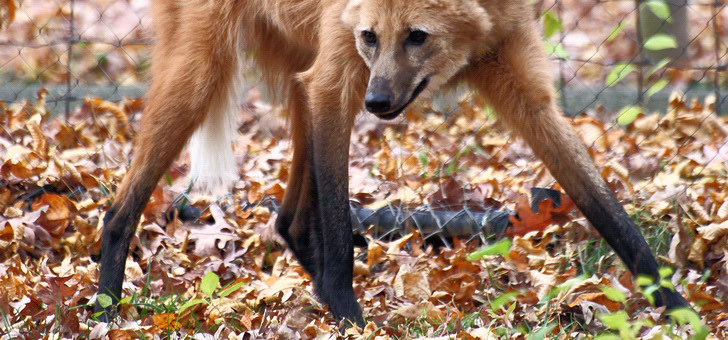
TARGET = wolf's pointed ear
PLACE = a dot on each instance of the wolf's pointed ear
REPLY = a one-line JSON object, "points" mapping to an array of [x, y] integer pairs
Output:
{"points": [[350, 15]]}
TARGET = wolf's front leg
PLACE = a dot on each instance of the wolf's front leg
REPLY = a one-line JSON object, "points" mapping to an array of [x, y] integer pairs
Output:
{"points": [[314, 217], [333, 282]]}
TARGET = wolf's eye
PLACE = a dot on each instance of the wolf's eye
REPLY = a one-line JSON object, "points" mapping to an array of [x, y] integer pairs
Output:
{"points": [[369, 37], [416, 37]]}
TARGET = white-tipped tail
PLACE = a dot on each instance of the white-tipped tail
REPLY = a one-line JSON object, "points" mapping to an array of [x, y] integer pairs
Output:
{"points": [[213, 169]]}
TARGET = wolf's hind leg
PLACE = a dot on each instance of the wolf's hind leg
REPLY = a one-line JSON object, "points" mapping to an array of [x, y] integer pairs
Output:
{"points": [[518, 84]]}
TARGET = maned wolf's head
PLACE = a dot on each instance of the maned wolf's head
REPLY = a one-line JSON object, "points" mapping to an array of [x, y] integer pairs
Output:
{"points": [[413, 47]]}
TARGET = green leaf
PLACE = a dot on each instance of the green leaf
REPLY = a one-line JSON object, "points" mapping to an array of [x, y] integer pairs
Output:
{"points": [[665, 272], [656, 87], [551, 24], [510, 310], [628, 114], [687, 315], [684, 315], [104, 300], [644, 280], [97, 314], [615, 32], [189, 304], [647, 286], [613, 294], [503, 299], [666, 283], [543, 332], [660, 41], [660, 8], [660, 65], [231, 289], [616, 320], [500, 247], [619, 72], [423, 158], [209, 283], [555, 49], [647, 294], [451, 167]]}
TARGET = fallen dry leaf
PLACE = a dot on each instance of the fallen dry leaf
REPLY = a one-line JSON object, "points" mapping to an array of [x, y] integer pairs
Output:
{"points": [[528, 220], [423, 309], [413, 286]]}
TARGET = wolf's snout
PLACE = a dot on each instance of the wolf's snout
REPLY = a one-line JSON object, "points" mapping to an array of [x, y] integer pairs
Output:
{"points": [[378, 102]]}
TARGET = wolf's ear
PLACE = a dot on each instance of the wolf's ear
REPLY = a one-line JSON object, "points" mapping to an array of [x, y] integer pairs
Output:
{"points": [[350, 15]]}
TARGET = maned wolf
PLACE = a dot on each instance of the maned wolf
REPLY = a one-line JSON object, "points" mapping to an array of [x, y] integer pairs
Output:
{"points": [[329, 59]]}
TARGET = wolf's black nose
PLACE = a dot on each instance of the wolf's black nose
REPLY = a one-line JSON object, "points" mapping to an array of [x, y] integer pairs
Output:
{"points": [[377, 102]]}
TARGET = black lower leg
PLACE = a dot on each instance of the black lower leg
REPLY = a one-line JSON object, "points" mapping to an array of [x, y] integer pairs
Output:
{"points": [[296, 224], [335, 285], [119, 227], [615, 226]]}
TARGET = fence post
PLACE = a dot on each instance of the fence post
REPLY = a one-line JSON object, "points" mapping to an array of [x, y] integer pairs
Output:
{"points": [[714, 8], [71, 40], [675, 25]]}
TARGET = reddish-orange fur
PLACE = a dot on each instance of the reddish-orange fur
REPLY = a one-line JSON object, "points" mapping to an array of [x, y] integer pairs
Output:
{"points": [[315, 55]]}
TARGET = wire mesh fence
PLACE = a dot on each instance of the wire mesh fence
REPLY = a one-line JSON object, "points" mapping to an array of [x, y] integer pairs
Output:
{"points": [[74, 49], [613, 60], [99, 48]]}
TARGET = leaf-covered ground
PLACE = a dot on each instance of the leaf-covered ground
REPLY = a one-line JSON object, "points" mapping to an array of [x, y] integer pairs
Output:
{"points": [[59, 177]]}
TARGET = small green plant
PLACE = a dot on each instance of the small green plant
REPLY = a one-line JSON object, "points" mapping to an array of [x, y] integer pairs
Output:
{"points": [[451, 167], [653, 228], [424, 162], [503, 299], [620, 322], [146, 305], [543, 332], [594, 255], [647, 286], [143, 304], [208, 286], [629, 329], [689, 316], [500, 247], [613, 294]]}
